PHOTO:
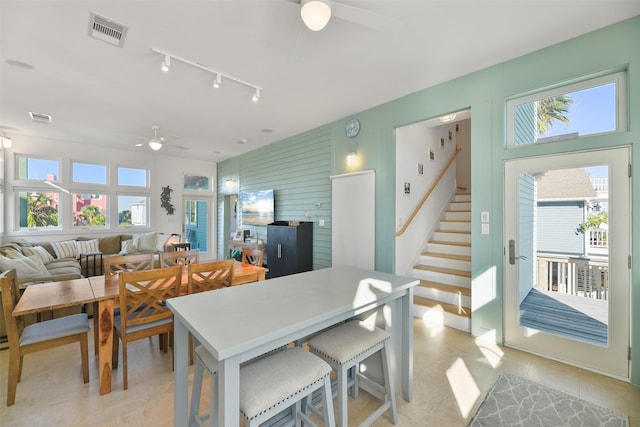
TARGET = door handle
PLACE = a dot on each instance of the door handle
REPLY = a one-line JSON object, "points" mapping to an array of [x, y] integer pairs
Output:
{"points": [[512, 253], [279, 250]]}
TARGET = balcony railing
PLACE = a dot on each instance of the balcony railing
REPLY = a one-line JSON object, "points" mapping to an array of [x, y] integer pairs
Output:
{"points": [[574, 276]]}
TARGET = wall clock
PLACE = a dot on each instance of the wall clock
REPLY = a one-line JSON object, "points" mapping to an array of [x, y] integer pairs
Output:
{"points": [[352, 128]]}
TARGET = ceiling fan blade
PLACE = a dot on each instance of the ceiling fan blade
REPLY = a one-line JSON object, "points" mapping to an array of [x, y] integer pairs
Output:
{"points": [[366, 18]]}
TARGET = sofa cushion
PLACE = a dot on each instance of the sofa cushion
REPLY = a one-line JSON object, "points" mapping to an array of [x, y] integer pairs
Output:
{"points": [[44, 255], [87, 246], [26, 267], [147, 242], [110, 244], [65, 249]]}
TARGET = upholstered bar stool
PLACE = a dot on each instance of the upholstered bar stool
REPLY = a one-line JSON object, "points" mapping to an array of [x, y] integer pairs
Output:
{"points": [[268, 385], [344, 347]]}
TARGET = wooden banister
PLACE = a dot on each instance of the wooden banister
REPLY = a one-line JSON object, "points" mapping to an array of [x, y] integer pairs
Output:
{"points": [[428, 193]]}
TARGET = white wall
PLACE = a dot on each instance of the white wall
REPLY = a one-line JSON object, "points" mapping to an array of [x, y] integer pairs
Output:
{"points": [[165, 170], [463, 161], [413, 145]]}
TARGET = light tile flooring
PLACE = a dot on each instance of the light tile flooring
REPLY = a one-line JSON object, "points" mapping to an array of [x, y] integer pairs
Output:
{"points": [[452, 373]]}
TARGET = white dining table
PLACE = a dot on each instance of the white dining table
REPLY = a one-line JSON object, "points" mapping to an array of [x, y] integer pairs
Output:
{"points": [[239, 323]]}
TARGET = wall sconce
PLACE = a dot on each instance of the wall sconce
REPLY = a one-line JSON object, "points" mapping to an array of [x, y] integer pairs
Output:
{"points": [[351, 158], [230, 184], [6, 142]]}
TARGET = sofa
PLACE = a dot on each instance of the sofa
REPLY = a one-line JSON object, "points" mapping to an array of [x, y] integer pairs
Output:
{"points": [[50, 261]]}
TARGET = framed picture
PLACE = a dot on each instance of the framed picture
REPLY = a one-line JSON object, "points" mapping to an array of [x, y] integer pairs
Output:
{"points": [[239, 235], [450, 136], [407, 188], [196, 182], [420, 168], [432, 155], [441, 142]]}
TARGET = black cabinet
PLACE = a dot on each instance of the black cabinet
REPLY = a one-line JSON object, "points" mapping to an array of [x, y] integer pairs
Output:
{"points": [[289, 248]]}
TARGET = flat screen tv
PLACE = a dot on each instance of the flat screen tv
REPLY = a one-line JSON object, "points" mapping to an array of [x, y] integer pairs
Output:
{"points": [[257, 207]]}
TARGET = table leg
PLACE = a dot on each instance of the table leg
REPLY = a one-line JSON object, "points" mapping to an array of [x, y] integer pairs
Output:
{"points": [[229, 392], [180, 374], [96, 328], [105, 342], [407, 345], [261, 276]]}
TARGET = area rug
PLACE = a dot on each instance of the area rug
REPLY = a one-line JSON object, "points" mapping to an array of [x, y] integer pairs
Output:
{"points": [[516, 401]]}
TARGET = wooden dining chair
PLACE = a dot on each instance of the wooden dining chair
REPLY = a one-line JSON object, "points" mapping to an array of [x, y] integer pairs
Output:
{"points": [[128, 263], [38, 336], [252, 256], [170, 259], [143, 310], [208, 276]]}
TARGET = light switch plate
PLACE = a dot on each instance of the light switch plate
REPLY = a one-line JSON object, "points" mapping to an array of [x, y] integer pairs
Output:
{"points": [[485, 228], [321, 222], [484, 216]]}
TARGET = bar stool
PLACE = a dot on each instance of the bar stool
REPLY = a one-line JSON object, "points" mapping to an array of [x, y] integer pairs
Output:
{"points": [[268, 385], [344, 347]]}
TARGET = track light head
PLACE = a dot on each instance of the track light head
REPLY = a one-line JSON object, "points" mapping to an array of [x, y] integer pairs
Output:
{"points": [[218, 81], [166, 63], [256, 95]]}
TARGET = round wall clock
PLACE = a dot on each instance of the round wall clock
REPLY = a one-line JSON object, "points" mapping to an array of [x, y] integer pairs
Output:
{"points": [[352, 128]]}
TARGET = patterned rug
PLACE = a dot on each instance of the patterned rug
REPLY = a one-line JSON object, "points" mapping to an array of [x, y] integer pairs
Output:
{"points": [[516, 401]]}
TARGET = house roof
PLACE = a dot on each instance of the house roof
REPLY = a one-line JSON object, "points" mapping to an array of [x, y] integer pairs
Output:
{"points": [[565, 184], [102, 94]]}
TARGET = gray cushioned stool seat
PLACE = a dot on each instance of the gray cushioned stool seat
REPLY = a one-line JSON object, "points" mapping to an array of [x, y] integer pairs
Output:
{"points": [[55, 328], [344, 347]]}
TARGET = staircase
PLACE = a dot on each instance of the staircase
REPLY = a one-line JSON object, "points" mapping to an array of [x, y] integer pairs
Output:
{"points": [[444, 292]]}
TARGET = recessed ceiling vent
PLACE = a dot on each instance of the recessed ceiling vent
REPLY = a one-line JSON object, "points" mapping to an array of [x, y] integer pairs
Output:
{"points": [[40, 118], [105, 29]]}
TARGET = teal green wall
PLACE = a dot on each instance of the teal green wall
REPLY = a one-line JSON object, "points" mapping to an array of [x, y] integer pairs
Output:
{"points": [[485, 92]]}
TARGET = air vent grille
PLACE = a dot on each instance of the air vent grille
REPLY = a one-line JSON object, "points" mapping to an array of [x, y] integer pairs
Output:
{"points": [[40, 118], [105, 29]]}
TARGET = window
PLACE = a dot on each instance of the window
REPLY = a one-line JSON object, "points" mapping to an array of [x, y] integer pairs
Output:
{"points": [[37, 169], [89, 210], [191, 212], [132, 211], [88, 173], [132, 177], [569, 112], [38, 209]]}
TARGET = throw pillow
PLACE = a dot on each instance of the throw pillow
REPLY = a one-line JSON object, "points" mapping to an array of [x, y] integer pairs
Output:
{"points": [[44, 255], [129, 247], [65, 249], [87, 246], [162, 241], [147, 242], [26, 267]]}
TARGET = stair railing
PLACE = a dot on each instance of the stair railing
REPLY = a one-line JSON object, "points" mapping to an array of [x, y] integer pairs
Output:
{"points": [[428, 193]]}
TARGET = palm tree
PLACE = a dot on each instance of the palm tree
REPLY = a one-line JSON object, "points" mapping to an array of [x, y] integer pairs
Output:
{"points": [[550, 109]]}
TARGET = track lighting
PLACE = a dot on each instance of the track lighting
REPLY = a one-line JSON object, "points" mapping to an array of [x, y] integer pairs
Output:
{"points": [[315, 13], [447, 118], [166, 63]]}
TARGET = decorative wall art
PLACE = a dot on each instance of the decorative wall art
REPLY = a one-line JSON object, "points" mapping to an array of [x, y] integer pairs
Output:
{"points": [[407, 188], [432, 155], [196, 182], [450, 136], [165, 200], [442, 142], [420, 168]]}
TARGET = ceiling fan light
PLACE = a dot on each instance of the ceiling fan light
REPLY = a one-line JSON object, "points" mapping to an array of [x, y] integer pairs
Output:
{"points": [[155, 144], [315, 13], [166, 63]]}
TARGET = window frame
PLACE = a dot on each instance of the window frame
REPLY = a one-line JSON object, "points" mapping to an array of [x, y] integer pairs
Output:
{"points": [[143, 195], [16, 196], [17, 178], [84, 183], [619, 78], [107, 197]]}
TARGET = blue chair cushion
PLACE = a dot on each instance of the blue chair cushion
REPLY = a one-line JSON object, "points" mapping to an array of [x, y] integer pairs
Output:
{"points": [[56, 328]]}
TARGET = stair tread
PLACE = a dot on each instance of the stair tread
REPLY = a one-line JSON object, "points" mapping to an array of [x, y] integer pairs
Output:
{"points": [[459, 210], [448, 256], [456, 220], [451, 271], [441, 242], [443, 306], [445, 288], [454, 231]]}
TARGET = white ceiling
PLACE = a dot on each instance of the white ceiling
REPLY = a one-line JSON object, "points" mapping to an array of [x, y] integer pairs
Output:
{"points": [[105, 95]]}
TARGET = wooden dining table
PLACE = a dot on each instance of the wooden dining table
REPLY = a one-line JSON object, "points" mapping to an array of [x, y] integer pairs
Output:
{"points": [[103, 291]]}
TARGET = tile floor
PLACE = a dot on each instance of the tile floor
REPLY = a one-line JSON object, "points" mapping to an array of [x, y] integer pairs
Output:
{"points": [[452, 373]]}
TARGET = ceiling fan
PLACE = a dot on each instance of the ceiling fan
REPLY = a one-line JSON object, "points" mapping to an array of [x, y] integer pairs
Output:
{"points": [[317, 13], [155, 143]]}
